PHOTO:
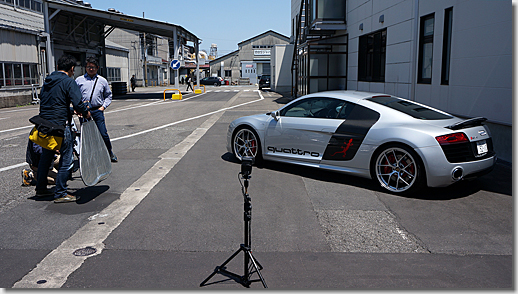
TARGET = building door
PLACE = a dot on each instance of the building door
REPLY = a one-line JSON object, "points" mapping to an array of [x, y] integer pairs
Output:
{"points": [[249, 70]]}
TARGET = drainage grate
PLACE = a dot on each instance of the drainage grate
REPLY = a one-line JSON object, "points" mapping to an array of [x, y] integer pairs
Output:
{"points": [[85, 251]]}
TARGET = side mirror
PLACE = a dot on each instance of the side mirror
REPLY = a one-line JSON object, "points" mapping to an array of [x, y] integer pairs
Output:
{"points": [[275, 115]]}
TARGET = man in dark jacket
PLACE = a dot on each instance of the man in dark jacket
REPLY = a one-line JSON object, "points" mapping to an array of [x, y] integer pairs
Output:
{"points": [[133, 82], [58, 91]]}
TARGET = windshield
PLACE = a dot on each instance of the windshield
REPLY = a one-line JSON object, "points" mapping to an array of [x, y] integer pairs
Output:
{"points": [[410, 108]]}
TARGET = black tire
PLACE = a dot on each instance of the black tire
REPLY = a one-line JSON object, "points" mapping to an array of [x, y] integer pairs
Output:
{"points": [[245, 142], [398, 169]]}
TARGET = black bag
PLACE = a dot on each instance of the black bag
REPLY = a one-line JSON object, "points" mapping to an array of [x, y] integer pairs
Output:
{"points": [[46, 127]]}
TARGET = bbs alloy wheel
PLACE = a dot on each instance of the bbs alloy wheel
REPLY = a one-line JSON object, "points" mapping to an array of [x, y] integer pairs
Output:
{"points": [[245, 143], [398, 170]]}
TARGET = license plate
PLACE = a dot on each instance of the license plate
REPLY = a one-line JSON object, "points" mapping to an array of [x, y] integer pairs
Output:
{"points": [[482, 147]]}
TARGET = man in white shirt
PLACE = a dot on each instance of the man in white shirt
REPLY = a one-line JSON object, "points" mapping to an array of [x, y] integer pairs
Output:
{"points": [[97, 94]]}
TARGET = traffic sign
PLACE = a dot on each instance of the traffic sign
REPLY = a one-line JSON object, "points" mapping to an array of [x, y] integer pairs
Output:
{"points": [[175, 64]]}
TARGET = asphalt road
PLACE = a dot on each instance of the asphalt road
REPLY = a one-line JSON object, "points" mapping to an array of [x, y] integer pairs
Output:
{"points": [[172, 210]]}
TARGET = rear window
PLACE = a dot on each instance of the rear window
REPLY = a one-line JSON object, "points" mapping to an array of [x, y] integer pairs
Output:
{"points": [[410, 108]]}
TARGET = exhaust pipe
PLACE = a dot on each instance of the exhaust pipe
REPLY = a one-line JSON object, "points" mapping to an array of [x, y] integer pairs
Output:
{"points": [[457, 174]]}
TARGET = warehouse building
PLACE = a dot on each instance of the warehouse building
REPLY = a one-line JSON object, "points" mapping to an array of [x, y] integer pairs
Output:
{"points": [[251, 60], [35, 33]]}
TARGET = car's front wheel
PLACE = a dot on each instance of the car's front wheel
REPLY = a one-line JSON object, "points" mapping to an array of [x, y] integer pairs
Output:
{"points": [[245, 142], [398, 169]]}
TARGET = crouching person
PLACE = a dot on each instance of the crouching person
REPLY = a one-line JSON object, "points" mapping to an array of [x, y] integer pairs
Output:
{"points": [[58, 91], [32, 157]]}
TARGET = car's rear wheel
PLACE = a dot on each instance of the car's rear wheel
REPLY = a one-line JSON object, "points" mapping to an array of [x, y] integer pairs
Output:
{"points": [[398, 169], [246, 143], [216, 84]]}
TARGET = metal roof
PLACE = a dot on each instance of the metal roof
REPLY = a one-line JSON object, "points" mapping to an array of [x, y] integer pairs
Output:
{"points": [[123, 21], [270, 32]]}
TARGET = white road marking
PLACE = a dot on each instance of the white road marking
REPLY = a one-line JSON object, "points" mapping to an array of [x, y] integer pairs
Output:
{"points": [[17, 110], [122, 109], [16, 129], [187, 119], [13, 166], [57, 266]]}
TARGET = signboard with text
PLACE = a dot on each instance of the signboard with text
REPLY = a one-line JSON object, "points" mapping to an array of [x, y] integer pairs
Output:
{"points": [[263, 52]]}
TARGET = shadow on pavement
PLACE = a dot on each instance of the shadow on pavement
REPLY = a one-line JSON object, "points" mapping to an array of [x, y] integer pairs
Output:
{"points": [[88, 194], [497, 181]]}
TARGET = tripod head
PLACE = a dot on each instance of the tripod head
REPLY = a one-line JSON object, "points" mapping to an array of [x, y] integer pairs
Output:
{"points": [[246, 167]]}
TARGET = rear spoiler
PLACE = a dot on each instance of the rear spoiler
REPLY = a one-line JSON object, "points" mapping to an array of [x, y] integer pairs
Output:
{"points": [[472, 122]]}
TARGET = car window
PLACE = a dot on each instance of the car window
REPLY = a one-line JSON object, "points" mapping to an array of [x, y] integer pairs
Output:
{"points": [[410, 108], [315, 107]]}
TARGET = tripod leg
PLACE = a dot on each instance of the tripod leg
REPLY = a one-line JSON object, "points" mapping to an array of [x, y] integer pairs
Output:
{"points": [[254, 262], [218, 268]]}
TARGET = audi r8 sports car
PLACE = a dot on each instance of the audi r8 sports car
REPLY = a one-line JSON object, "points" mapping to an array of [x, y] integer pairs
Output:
{"points": [[402, 144]]}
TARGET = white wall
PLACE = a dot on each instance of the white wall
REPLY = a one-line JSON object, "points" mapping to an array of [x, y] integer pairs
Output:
{"points": [[118, 59], [18, 47], [481, 60], [481, 54], [281, 56], [399, 22]]}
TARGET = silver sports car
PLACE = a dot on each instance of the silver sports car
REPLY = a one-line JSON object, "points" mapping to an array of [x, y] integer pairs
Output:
{"points": [[402, 144]]}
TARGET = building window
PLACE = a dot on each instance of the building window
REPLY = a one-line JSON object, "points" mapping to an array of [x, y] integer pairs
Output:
{"points": [[34, 5], [18, 74], [114, 74], [17, 67], [326, 10], [426, 50], [371, 57], [2, 83], [446, 46], [228, 73], [8, 71]]}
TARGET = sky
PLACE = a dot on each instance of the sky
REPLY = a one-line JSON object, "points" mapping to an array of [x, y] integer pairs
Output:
{"points": [[224, 22]]}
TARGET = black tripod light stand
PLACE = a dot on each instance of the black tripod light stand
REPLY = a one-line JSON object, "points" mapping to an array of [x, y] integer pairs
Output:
{"points": [[250, 263]]}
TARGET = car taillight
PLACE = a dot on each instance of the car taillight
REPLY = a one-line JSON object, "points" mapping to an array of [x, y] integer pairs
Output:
{"points": [[452, 138]]}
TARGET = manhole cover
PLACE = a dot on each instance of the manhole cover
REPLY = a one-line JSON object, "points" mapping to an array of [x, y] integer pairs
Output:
{"points": [[85, 251]]}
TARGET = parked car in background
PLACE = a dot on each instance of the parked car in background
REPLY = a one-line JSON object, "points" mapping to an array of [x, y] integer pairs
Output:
{"points": [[401, 144], [211, 81], [264, 82]]}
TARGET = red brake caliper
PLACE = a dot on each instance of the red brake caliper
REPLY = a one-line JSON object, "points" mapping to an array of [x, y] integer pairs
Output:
{"points": [[388, 169]]}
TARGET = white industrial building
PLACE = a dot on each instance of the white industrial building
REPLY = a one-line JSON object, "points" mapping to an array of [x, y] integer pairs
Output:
{"points": [[450, 54], [250, 61], [35, 33]]}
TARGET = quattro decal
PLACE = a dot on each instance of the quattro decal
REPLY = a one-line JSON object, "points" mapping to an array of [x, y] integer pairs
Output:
{"points": [[292, 151]]}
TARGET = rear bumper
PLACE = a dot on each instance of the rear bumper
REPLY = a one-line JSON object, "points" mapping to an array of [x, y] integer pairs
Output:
{"points": [[439, 171]]}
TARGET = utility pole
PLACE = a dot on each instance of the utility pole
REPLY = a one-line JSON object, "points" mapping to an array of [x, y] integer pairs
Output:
{"points": [[145, 60]]}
